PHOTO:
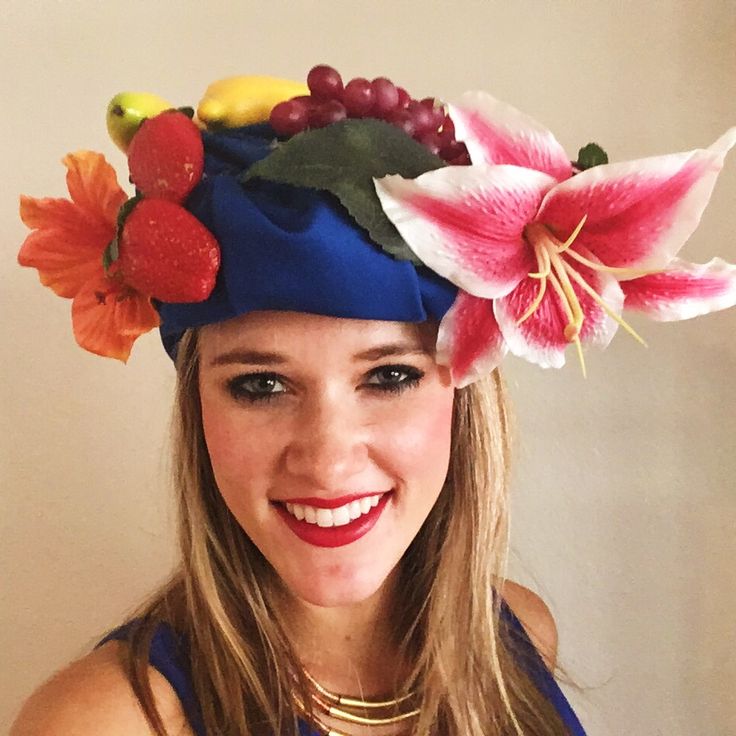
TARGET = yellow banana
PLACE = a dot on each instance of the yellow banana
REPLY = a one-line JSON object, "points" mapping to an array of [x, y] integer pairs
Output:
{"points": [[127, 110], [245, 100]]}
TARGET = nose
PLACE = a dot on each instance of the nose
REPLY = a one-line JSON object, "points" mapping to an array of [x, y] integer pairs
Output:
{"points": [[328, 448]]}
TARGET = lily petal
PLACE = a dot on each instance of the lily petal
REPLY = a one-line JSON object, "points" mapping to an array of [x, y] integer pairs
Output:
{"points": [[683, 290], [467, 222], [497, 133], [469, 340], [108, 317], [639, 213], [598, 327], [541, 338], [69, 237]]}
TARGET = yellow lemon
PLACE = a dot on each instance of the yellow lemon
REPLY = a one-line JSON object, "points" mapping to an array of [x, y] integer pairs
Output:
{"points": [[127, 110], [245, 100]]}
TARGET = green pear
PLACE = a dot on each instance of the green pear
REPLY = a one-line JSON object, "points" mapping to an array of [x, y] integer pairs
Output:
{"points": [[127, 110]]}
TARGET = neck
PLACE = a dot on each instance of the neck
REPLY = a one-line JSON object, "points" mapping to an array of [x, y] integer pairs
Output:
{"points": [[351, 649]]}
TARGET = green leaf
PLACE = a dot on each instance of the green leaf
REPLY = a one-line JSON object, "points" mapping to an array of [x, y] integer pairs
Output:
{"points": [[126, 209], [591, 155], [112, 252], [343, 158], [188, 111]]}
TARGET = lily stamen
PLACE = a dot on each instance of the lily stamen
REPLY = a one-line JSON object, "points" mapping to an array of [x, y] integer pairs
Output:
{"points": [[547, 249], [564, 246], [578, 317], [543, 260], [553, 266], [594, 294], [557, 286], [535, 304], [633, 272]]}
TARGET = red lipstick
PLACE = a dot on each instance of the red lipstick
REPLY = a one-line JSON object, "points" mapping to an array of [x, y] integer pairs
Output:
{"points": [[330, 503], [332, 536]]}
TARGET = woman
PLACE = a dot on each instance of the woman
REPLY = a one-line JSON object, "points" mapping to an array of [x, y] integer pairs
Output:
{"points": [[341, 435]]}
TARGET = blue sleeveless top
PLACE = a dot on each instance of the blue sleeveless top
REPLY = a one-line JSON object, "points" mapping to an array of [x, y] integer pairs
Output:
{"points": [[169, 655]]}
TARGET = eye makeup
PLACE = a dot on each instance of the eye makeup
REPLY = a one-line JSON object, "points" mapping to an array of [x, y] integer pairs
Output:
{"points": [[258, 387]]}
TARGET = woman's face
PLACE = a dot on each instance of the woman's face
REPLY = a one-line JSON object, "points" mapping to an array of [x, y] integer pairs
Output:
{"points": [[346, 421]]}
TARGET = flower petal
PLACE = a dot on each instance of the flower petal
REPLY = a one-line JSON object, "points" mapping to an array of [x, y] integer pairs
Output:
{"points": [[541, 338], [639, 213], [466, 222], [598, 327], [683, 290], [497, 133], [68, 254], [469, 340], [93, 185], [69, 236], [108, 317]]}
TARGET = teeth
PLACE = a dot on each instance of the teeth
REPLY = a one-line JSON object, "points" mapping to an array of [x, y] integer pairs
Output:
{"points": [[334, 517], [341, 516], [324, 517]]}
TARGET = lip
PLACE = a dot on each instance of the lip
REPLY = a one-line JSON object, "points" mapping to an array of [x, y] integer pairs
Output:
{"points": [[333, 536], [329, 503]]}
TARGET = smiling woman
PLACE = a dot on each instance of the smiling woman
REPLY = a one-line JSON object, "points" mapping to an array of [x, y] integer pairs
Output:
{"points": [[314, 414], [337, 302]]}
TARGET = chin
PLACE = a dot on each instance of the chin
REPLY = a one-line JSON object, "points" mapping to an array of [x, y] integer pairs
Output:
{"points": [[332, 591]]}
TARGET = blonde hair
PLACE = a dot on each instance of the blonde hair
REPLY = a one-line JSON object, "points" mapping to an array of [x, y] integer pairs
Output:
{"points": [[224, 598]]}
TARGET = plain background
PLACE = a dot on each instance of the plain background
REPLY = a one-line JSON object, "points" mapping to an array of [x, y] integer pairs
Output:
{"points": [[624, 498]]}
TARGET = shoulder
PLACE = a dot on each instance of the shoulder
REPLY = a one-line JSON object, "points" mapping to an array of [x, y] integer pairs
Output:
{"points": [[92, 697], [535, 617]]}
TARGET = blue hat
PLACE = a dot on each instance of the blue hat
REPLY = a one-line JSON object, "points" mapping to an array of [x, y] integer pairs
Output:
{"points": [[294, 249]]}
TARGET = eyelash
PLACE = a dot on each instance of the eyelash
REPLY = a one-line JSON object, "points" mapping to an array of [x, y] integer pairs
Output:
{"points": [[236, 385]]}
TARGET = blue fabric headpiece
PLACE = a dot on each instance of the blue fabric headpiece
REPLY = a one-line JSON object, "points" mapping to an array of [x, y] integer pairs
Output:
{"points": [[288, 248]]}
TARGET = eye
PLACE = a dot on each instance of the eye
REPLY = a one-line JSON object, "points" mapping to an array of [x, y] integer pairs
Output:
{"points": [[395, 378], [255, 387]]}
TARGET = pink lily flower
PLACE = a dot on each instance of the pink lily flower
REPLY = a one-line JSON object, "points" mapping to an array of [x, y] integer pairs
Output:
{"points": [[545, 257]]}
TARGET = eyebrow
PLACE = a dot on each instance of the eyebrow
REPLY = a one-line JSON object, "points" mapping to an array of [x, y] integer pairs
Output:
{"points": [[257, 357]]}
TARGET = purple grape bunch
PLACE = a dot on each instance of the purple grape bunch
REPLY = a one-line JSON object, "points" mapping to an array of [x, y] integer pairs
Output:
{"points": [[331, 101]]}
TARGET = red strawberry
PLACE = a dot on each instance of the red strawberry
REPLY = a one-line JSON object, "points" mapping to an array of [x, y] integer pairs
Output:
{"points": [[166, 156], [167, 253]]}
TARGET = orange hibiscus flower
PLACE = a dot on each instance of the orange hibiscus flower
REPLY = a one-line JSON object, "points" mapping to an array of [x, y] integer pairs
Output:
{"points": [[66, 247]]}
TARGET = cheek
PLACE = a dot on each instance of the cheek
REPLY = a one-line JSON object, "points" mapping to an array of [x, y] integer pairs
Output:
{"points": [[235, 453], [421, 442], [219, 435]]}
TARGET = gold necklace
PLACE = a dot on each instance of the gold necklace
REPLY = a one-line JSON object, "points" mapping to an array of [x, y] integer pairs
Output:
{"points": [[342, 707]]}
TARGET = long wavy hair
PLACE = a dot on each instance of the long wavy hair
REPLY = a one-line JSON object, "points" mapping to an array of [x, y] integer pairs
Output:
{"points": [[467, 664]]}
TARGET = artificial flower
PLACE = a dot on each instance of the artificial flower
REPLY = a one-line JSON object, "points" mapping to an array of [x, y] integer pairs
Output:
{"points": [[544, 256], [66, 247]]}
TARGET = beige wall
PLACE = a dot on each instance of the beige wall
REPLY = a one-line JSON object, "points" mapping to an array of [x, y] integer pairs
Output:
{"points": [[625, 506]]}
